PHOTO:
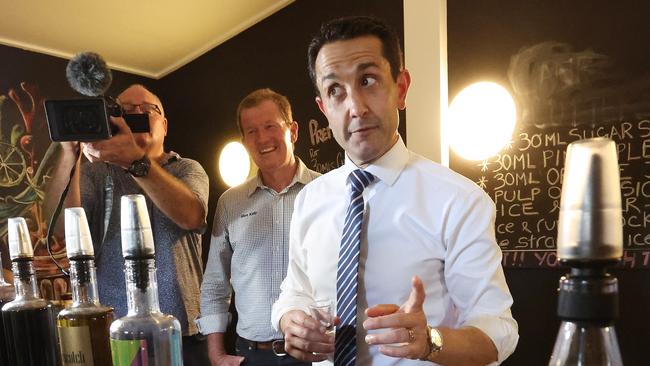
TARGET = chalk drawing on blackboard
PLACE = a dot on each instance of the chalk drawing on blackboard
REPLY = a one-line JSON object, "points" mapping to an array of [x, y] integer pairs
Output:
{"points": [[557, 86], [484, 165], [482, 182], [324, 153]]}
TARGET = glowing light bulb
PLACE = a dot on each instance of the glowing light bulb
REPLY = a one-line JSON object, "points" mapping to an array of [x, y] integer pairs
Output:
{"points": [[481, 120], [234, 164]]}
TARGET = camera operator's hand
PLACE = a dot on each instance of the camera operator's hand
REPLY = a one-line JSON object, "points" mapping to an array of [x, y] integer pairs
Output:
{"points": [[70, 147], [121, 149], [70, 152]]}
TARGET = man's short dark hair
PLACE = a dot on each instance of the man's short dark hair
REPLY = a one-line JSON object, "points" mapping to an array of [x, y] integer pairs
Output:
{"points": [[346, 28]]}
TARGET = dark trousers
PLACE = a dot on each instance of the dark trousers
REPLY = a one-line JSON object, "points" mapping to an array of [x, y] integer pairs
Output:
{"points": [[263, 357], [195, 351]]}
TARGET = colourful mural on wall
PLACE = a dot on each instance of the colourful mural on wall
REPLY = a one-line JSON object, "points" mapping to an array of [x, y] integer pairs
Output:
{"points": [[26, 160]]}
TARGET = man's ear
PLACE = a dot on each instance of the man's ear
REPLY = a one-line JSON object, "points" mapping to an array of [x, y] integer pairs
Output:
{"points": [[294, 131], [403, 83], [165, 126], [319, 102]]}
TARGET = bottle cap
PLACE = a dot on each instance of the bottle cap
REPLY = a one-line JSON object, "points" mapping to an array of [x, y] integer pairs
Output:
{"points": [[20, 244], [590, 225], [137, 238], [78, 241]]}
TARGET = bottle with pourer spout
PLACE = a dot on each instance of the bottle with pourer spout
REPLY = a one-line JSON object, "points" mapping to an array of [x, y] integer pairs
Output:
{"points": [[145, 336], [7, 294], [590, 239], [29, 321], [83, 328]]}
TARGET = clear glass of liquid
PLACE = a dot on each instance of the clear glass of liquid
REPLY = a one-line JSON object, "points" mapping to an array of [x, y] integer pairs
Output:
{"points": [[323, 311]]}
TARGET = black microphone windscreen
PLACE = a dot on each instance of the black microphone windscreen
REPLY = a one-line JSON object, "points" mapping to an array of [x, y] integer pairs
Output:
{"points": [[88, 74]]}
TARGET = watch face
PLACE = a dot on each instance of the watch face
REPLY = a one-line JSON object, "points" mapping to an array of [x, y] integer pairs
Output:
{"points": [[140, 167], [435, 344], [436, 339]]}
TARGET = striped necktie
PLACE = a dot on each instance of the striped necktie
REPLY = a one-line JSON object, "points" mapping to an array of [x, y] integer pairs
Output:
{"points": [[347, 272]]}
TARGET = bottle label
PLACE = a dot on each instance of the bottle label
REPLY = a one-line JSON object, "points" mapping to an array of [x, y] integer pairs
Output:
{"points": [[129, 352], [75, 346]]}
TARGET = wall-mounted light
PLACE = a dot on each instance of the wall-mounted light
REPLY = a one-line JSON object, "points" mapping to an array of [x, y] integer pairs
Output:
{"points": [[234, 164], [481, 120]]}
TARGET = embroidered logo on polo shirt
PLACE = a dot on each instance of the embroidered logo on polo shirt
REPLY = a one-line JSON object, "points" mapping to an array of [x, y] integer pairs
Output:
{"points": [[249, 214]]}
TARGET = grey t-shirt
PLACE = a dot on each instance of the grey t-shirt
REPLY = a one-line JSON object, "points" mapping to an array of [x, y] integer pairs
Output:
{"points": [[178, 251]]}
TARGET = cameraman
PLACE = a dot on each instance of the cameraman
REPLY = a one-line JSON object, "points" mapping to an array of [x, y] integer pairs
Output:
{"points": [[176, 190]]}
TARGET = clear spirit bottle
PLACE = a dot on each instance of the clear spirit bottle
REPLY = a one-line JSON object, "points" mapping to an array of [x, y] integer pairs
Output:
{"points": [[590, 239], [145, 336], [588, 306]]}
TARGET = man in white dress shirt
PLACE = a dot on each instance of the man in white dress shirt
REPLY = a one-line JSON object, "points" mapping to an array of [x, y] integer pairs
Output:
{"points": [[430, 283]]}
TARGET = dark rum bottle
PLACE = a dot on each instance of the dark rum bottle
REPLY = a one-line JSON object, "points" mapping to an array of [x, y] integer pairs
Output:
{"points": [[145, 336], [83, 328], [29, 322], [7, 293]]}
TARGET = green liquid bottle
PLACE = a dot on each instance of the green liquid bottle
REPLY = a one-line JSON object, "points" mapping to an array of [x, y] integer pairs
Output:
{"points": [[145, 336]]}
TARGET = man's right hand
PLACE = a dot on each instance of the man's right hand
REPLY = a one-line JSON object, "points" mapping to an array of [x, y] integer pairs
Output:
{"points": [[226, 360], [121, 149], [305, 338], [217, 352]]}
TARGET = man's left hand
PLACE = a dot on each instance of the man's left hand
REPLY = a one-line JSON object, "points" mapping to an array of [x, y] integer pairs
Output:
{"points": [[121, 149], [405, 334]]}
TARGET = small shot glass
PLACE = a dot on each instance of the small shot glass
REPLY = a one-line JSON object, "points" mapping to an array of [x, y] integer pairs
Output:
{"points": [[323, 311]]}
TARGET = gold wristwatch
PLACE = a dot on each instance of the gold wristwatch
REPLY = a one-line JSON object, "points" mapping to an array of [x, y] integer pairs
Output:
{"points": [[434, 338]]}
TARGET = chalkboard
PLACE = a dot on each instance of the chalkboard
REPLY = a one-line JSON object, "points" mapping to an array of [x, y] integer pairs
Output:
{"points": [[576, 69], [482, 38], [564, 95]]}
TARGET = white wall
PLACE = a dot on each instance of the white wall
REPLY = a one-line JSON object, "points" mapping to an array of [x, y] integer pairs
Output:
{"points": [[425, 48]]}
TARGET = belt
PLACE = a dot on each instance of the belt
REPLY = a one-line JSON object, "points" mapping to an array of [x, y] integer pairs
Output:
{"points": [[253, 345]]}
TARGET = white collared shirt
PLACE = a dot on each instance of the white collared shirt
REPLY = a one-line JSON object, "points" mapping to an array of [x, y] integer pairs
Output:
{"points": [[421, 219]]}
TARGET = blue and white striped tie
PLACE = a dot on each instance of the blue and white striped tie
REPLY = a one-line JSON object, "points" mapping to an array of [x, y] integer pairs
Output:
{"points": [[348, 269]]}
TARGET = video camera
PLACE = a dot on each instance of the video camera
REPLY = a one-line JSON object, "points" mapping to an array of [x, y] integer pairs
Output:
{"points": [[88, 119]]}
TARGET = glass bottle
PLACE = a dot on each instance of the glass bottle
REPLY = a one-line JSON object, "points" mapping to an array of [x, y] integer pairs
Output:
{"points": [[585, 344], [145, 336], [29, 321], [590, 239], [83, 328], [7, 293], [587, 305]]}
